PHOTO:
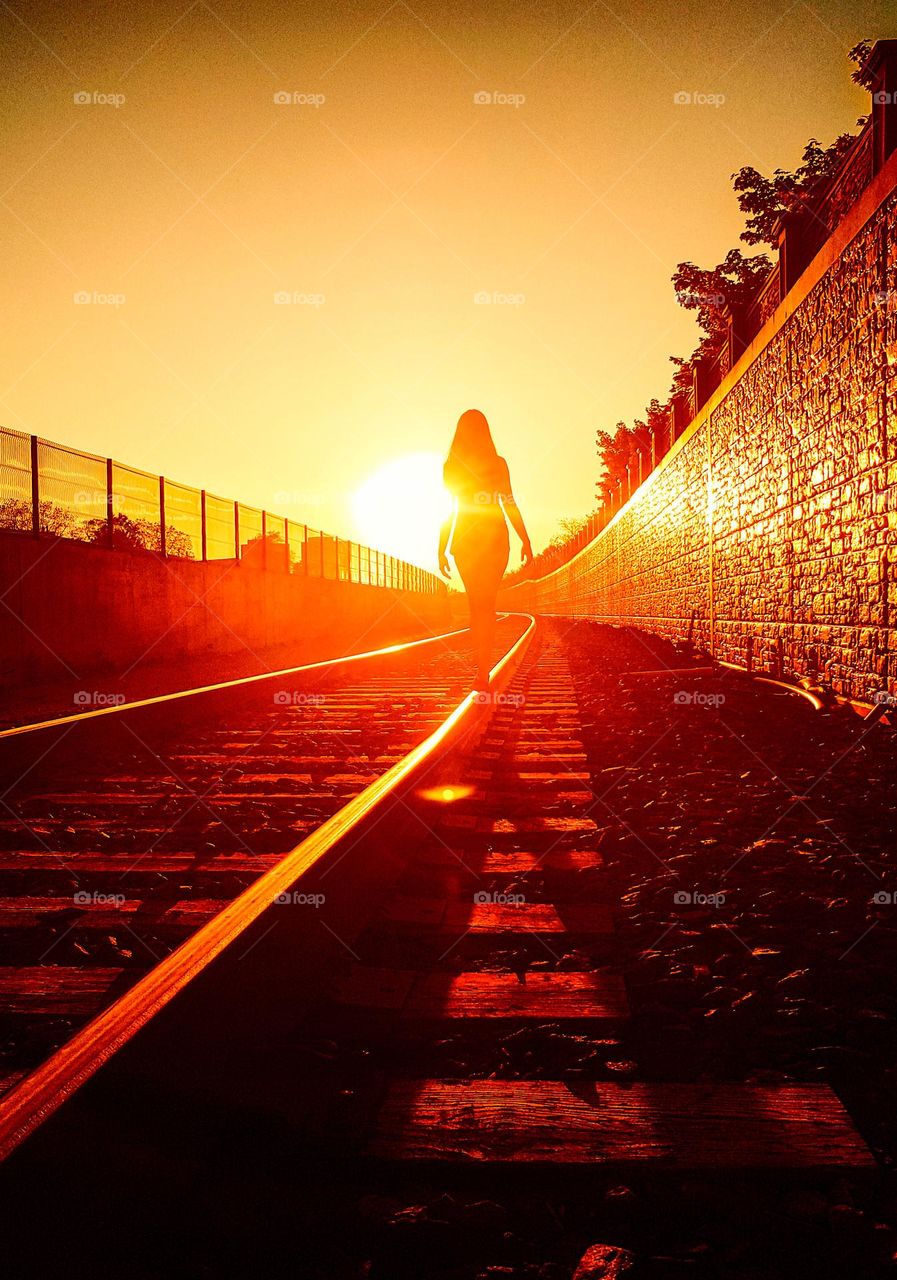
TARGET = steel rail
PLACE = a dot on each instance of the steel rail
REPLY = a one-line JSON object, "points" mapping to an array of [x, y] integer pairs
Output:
{"points": [[158, 699], [815, 702], [42, 1092]]}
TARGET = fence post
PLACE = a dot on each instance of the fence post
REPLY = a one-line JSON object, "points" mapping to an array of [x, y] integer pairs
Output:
{"points": [[881, 68], [110, 527], [35, 490], [264, 539], [286, 545], [203, 536], [162, 547], [236, 530]]}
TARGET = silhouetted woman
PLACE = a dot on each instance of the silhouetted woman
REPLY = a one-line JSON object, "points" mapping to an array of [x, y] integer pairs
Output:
{"points": [[478, 480]]}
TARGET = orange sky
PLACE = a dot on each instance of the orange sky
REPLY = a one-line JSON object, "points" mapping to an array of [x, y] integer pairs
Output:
{"points": [[381, 212]]}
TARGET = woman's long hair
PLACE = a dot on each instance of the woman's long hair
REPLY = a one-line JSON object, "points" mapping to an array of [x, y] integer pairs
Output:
{"points": [[472, 460]]}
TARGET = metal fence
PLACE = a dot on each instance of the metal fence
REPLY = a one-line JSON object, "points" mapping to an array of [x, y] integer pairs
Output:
{"points": [[50, 490]]}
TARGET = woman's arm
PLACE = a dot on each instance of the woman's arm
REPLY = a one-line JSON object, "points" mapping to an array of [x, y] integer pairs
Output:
{"points": [[513, 512], [444, 535]]}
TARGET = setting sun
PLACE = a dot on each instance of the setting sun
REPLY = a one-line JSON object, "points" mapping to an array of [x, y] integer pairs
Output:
{"points": [[400, 508]]}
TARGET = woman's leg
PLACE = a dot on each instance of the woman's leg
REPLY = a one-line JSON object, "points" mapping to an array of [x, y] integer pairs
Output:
{"points": [[494, 572], [481, 576], [481, 603]]}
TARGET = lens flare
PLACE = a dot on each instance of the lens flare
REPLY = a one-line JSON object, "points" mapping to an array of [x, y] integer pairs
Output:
{"points": [[446, 794]]}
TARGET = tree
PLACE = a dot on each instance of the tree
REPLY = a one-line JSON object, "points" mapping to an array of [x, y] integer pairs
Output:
{"points": [[614, 452], [561, 547], [712, 293], [657, 417], [858, 55], [682, 378], [267, 549], [764, 200], [569, 528], [730, 284], [15, 513], [140, 535]]}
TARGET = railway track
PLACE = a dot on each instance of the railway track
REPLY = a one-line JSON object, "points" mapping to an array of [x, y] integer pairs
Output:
{"points": [[123, 833], [419, 1035]]}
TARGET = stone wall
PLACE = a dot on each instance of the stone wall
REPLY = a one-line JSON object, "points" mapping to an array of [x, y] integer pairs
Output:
{"points": [[772, 519]]}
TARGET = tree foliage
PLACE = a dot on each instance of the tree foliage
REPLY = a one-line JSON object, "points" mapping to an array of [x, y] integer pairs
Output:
{"points": [[570, 535], [765, 200], [128, 534], [15, 513], [614, 451], [858, 55], [727, 286]]}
